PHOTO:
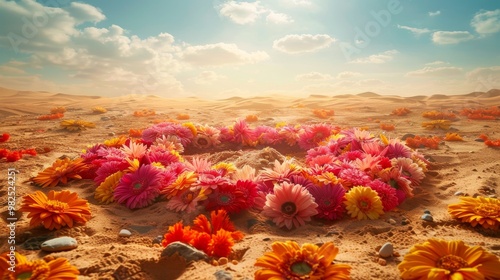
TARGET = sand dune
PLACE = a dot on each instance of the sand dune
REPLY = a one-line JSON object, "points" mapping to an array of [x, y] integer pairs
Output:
{"points": [[468, 166]]}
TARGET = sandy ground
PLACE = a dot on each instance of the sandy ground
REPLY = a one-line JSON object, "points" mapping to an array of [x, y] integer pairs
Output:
{"points": [[468, 166]]}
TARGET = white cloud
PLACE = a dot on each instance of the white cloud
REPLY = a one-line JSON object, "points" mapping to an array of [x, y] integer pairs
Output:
{"points": [[377, 58], [435, 71], [437, 62], [347, 75], [484, 78], [433, 14], [451, 37], [303, 43], [220, 54], [85, 13], [207, 77], [313, 76], [487, 22], [278, 18], [242, 12], [414, 30]]}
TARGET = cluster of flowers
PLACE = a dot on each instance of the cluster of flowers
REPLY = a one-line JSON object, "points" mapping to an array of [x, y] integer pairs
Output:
{"points": [[41, 269], [436, 115], [481, 113], [494, 143], [215, 237], [345, 171], [13, 155], [403, 111]]}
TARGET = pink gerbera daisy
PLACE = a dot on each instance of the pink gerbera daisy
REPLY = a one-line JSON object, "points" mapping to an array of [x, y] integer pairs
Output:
{"points": [[290, 134], [396, 149], [184, 134], [206, 137], [330, 201], [353, 177], [243, 134], [410, 169], [395, 179], [134, 150], [108, 168], [268, 135], [187, 200], [198, 164], [228, 197], [280, 172], [386, 193], [369, 164], [164, 157], [138, 189], [290, 205], [313, 135]]}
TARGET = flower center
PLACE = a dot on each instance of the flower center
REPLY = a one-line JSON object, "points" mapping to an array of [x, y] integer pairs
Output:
{"points": [[225, 199], [288, 208], [301, 268], [137, 186], [451, 263], [394, 184], [364, 204], [56, 206], [187, 197], [202, 142], [487, 210]]}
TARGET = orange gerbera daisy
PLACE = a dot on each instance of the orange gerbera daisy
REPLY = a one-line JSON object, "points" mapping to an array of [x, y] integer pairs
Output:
{"points": [[56, 269], [61, 171], [440, 259], [289, 261], [480, 210], [363, 203], [56, 210]]}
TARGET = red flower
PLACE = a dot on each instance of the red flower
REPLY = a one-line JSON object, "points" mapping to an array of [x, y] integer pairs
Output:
{"points": [[228, 197], [4, 137]]}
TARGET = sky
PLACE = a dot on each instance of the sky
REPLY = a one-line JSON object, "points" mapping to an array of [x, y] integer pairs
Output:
{"points": [[220, 49]]}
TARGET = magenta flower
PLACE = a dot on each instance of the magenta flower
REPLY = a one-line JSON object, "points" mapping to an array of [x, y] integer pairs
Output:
{"points": [[330, 200], [138, 189], [386, 193], [312, 135], [243, 134]]}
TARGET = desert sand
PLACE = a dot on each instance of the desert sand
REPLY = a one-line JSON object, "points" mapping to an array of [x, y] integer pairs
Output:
{"points": [[468, 166]]}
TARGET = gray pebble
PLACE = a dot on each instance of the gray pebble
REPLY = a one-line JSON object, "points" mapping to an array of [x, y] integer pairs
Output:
{"points": [[426, 211], [427, 217], [158, 239], [392, 221], [105, 118], [223, 275], [459, 193], [386, 250], [124, 233], [189, 253], [62, 243]]}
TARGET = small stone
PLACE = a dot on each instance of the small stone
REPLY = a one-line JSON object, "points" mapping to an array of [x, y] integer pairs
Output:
{"points": [[382, 262], [266, 239], [407, 135], [235, 262], [479, 140], [158, 239], [223, 261], [392, 221], [459, 193], [386, 250], [63, 243], [426, 211], [189, 253], [223, 275], [111, 134], [405, 221], [124, 233], [427, 217], [105, 118]]}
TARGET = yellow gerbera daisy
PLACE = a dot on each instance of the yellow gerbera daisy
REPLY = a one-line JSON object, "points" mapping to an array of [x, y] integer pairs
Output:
{"points": [[363, 203], [54, 269], [104, 192], [480, 210], [289, 261], [440, 259]]}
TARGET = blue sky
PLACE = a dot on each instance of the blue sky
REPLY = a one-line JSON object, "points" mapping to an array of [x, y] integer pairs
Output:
{"points": [[218, 49]]}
